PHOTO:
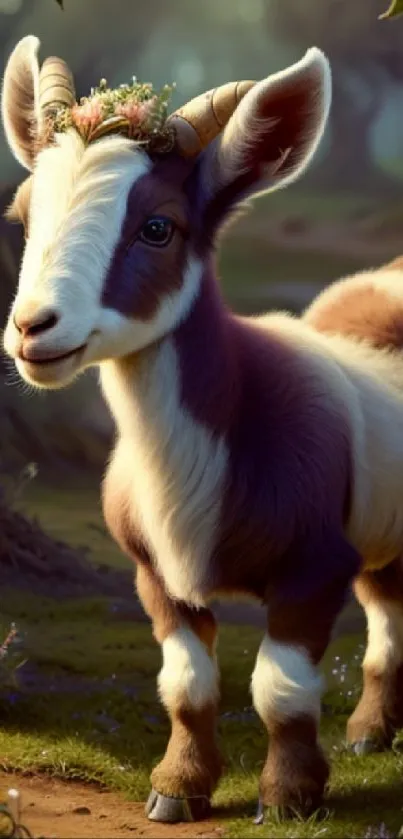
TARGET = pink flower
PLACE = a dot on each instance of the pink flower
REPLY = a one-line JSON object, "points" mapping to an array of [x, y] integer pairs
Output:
{"points": [[136, 112], [130, 110], [87, 115]]}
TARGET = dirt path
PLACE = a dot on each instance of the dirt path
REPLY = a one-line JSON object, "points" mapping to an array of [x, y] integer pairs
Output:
{"points": [[65, 810]]}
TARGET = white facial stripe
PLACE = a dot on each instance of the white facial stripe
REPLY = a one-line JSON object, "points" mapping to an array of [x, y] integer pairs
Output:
{"points": [[79, 202], [189, 676], [78, 206], [285, 683]]}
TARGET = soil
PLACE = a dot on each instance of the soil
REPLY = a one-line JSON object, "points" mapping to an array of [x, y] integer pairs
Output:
{"points": [[65, 810]]}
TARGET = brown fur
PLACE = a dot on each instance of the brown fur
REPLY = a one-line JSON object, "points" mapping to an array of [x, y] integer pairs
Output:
{"points": [[363, 312], [192, 764], [370, 314], [380, 710], [296, 772], [168, 615]]}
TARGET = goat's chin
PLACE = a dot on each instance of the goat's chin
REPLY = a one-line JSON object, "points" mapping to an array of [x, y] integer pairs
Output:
{"points": [[51, 376]]}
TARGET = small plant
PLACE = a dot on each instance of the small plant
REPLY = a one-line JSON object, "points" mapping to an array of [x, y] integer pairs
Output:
{"points": [[395, 9], [11, 658], [378, 832]]}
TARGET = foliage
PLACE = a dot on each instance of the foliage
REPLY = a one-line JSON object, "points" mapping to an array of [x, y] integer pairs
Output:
{"points": [[105, 723], [11, 657], [395, 9]]}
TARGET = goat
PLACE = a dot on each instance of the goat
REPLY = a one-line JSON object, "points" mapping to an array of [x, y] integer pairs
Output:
{"points": [[254, 456]]}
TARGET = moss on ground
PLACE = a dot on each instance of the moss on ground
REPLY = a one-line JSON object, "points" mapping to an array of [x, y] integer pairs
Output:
{"points": [[90, 711]]}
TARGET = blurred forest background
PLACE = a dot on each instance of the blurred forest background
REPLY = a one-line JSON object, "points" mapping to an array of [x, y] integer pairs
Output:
{"points": [[346, 213]]}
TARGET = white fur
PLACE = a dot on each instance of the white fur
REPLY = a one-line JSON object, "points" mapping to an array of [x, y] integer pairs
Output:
{"points": [[22, 69], [177, 468], [365, 386], [78, 206], [285, 683], [385, 635], [389, 281], [189, 676]]}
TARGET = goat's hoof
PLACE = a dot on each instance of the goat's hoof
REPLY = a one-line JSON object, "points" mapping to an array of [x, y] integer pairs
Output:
{"points": [[272, 812], [279, 813], [259, 818], [163, 808], [367, 746]]}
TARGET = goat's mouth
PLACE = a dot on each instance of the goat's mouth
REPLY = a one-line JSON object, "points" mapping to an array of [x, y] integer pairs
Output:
{"points": [[50, 370], [43, 359]]}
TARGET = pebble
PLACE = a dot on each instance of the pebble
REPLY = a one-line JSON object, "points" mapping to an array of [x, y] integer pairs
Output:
{"points": [[82, 811]]}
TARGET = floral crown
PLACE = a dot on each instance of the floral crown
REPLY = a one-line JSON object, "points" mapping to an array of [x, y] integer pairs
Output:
{"points": [[136, 110]]}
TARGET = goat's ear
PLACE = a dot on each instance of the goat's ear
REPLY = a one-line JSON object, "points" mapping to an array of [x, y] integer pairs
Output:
{"points": [[19, 101], [268, 141]]}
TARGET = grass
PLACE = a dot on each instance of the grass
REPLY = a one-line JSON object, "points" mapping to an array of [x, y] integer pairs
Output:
{"points": [[247, 271], [74, 516], [105, 724], [249, 266], [320, 205]]}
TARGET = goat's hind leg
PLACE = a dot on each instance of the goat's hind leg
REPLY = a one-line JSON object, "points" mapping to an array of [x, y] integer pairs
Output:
{"points": [[380, 710], [184, 780]]}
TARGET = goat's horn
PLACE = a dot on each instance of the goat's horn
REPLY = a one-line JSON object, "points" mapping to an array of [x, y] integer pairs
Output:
{"points": [[201, 119], [56, 85]]}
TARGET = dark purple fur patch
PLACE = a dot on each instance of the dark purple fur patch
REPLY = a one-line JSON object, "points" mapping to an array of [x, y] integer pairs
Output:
{"points": [[140, 276], [290, 461]]}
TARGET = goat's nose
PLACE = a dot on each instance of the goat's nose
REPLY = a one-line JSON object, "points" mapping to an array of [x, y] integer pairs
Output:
{"points": [[36, 322]]}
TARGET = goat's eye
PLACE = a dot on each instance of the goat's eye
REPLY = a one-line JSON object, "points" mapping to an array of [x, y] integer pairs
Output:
{"points": [[157, 231]]}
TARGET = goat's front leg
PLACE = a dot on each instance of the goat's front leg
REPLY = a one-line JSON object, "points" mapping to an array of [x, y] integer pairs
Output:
{"points": [[183, 782], [286, 685]]}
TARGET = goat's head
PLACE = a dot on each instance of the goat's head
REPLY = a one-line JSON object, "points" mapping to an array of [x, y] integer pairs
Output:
{"points": [[117, 231]]}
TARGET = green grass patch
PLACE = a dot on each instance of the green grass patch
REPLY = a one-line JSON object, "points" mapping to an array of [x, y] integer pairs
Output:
{"points": [[73, 516], [247, 270], [90, 711], [323, 205]]}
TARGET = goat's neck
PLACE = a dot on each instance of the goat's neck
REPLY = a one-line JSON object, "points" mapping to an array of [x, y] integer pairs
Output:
{"points": [[192, 368]]}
